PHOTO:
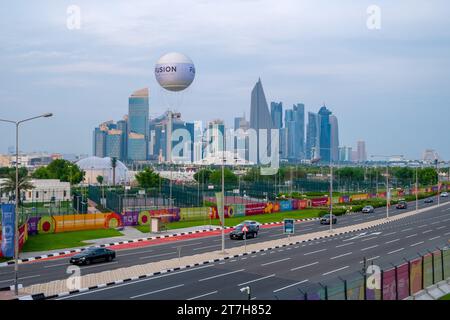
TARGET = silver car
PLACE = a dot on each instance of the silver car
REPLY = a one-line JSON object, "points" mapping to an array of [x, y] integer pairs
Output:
{"points": [[368, 209]]}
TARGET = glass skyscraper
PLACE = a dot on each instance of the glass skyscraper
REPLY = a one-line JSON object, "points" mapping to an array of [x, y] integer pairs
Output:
{"points": [[325, 134], [276, 111], [138, 125]]}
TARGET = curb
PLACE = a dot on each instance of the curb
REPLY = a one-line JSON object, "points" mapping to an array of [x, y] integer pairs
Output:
{"points": [[62, 253], [42, 296]]}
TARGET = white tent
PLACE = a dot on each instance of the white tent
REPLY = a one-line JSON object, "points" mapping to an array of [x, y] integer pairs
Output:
{"points": [[95, 166]]}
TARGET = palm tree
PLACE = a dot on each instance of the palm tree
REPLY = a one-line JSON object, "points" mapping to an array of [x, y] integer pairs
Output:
{"points": [[114, 166], [9, 185]]}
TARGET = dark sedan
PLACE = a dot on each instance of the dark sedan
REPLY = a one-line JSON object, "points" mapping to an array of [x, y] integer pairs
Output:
{"points": [[238, 232], [92, 255], [326, 219], [429, 200], [402, 205]]}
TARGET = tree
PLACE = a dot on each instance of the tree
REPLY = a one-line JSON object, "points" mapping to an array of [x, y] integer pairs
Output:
{"points": [[404, 175], [9, 185], [62, 170], [428, 176], [100, 180], [114, 166], [216, 177], [147, 178], [203, 175]]}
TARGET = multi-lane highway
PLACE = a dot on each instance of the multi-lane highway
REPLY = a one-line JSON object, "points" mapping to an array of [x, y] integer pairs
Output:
{"points": [[302, 259]]}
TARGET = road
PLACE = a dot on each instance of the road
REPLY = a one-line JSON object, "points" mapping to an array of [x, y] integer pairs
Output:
{"points": [[55, 269], [280, 272]]}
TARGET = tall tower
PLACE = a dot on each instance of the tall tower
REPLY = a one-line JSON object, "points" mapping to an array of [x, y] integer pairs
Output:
{"points": [[138, 125], [299, 118], [260, 116], [312, 135], [276, 112], [325, 134]]}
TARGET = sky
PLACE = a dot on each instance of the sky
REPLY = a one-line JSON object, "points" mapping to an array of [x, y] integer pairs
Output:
{"points": [[389, 86]]}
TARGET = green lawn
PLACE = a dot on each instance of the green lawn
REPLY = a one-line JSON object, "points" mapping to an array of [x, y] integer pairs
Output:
{"points": [[231, 222], [53, 241], [447, 297]]}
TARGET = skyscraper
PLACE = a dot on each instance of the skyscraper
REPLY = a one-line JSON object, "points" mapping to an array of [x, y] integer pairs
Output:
{"points": [[299, 131], [114, 144], [325, 134], [276, 112], [289, 134], [312, 135], [99, 143], [138, 127], [361, 151], [334, 138], [122, 125], [260, 117]]}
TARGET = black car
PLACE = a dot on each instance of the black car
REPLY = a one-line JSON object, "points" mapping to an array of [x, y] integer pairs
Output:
{"points": [[402, 205], [429, 200], [326, 219], [92, 255], [238, 234]]}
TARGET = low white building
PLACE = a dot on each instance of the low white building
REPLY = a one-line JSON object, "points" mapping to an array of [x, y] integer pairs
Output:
{"points": [[45, 190]]}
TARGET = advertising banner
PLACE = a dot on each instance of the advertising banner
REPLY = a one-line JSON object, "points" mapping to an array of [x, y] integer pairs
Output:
{"points": [[344, 199], [382, 195], [8, 227], [302, 204], [33, 225], [130, 218], [23, 235], [219, 209], [166, 215], [355, 289], [389, 285], [254, 209], [403, 281], [286, 205], [358, 197], [416, 276], [319, 202], [73, 222], [427, 270], [239, 210], [199, 213]]}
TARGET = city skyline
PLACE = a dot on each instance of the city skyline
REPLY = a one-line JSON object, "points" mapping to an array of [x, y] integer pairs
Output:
{"points": [[368, 77]]}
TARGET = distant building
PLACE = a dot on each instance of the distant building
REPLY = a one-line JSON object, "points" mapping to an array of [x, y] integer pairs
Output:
{"points": [[260, 117], [345, 154], [334, 138], [430, 156], [299, 131], [114, 144], [138, 127], [312, 135], [276, 112], [99, 143], [289, 135], [325, 134], [361, 151]]}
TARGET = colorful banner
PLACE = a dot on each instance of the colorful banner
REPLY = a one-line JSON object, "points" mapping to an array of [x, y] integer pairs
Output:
{"points": [[416, 276], [33, 225], [77, 222], [302, 204], [344, 199], [427, 270], [254, 209], [166, 215], [220, 208], [130, 218], [199, 213], [403, 281], [8, 230], [319, 202], [355, 289], [357, 197], [389, 285], [286, 205]]}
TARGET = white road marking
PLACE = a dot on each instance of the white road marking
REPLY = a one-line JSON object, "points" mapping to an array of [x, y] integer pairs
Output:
{"points": [[368, 248], [216, 245], [369, 239], [158, 255], [307, 254], [416, 244], [392, 241], [446, 234], [203, 295], [152, 292], [57, 265], [22, 278], [221, 275], [409, 229], [428, 231], [305, 266], [411, 235], [370, 259], [340, 269], [398, 250], [132, 253], [289, 286], [276, 261], [342, 255], [187, 245], [435, 222], [259, 279], [434, 238], [344, 245], [423, 226], [388, 234], [134, 282], [441, 227], [99, 265]]}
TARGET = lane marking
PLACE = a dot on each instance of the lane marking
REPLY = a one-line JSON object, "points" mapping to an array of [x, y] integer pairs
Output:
{"points": [[131, 253], [368, 248], [340, 269], [152, 292], [344, 245], [158, 255], [309, 253], [398, 250], [305, 266], [434, 238], [342, 255], [276, 261], [134, 282], [57, 265], [289, 286], [259, 279], [441, 227], [215, 245], [203, 295], [22, 278], [392, 241], [98, 265], [423, 226], [411, 235], [187, 245], [416, 244], [370, 259], [389, 234], [369, 239], [428, 231], [409, 229], [221, 275]]}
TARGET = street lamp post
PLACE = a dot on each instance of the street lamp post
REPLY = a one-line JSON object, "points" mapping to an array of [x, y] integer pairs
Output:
{"points": [[17, 198]]}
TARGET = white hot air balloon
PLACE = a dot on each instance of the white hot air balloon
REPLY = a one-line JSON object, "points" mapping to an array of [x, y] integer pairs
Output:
{"points": [[174, 71]]}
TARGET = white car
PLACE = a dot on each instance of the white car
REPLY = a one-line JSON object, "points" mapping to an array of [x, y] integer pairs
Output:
{"points": [[253, 223], [444, 195]]}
